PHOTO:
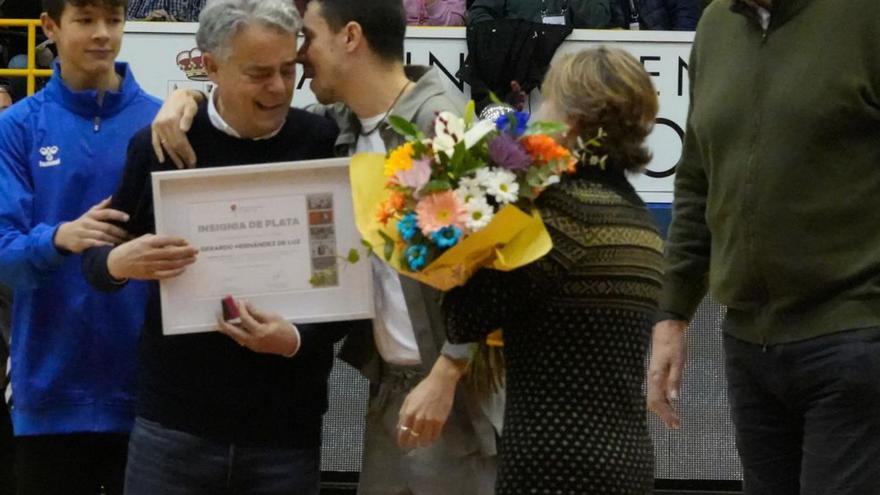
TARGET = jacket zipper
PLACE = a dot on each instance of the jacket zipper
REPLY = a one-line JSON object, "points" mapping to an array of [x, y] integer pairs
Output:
{"points": [[751, 180]]}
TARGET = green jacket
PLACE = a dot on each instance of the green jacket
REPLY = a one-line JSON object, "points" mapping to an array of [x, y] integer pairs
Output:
{"points": [[777, 193], [580, 14]]}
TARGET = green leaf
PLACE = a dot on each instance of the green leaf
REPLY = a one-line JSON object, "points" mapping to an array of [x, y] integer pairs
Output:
{"points": [[420, 150], [353, 256], [470, 113], [435, 186], [365, 243], [494, 98], [389, 246], [470, 165], [458, 154], [546, 127], [402, 126], [315, 280]]}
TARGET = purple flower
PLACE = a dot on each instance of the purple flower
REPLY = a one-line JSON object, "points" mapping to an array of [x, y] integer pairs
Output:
{"points": [[506, 152]]}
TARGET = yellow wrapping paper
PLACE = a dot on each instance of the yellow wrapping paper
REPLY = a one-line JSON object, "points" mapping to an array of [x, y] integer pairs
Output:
{"points": [[512, 239]]}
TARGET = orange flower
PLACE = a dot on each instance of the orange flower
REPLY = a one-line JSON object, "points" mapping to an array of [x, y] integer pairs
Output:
{"points": [[383, 214], [543, 148], [392, 205], [397, 201]]}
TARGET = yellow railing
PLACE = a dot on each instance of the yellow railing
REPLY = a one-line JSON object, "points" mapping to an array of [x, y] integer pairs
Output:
{"points": [[31, 72]]}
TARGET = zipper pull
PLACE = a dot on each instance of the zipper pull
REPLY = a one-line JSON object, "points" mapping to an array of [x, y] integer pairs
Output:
{"points": [[764, 344], [97, 122]]}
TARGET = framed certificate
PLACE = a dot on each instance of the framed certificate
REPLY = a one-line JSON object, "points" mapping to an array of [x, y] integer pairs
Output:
{"points": [[275, 234]]}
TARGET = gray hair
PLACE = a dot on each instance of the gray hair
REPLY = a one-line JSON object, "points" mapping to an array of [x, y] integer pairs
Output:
{"points": [[221, 20]]}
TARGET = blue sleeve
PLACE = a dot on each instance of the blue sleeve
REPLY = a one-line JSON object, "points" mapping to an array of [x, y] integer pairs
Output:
{"points": [[27, 249]]}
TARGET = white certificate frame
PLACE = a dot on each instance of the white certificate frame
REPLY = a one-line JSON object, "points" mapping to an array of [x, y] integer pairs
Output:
{"points": [[263, 253]]}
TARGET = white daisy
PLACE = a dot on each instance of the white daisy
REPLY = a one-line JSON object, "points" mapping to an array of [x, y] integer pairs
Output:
{"points": [[466, 194], [479, 214], [483, 177], [469, 183], [503, 187]]}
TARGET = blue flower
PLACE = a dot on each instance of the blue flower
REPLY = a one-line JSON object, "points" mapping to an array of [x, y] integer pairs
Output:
{"points": [[416, 256], [447, 236], [522, 121], [519, 122], [408, 226]]}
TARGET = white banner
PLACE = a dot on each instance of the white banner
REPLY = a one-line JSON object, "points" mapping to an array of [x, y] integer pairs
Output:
{"points": [[163, 57]]}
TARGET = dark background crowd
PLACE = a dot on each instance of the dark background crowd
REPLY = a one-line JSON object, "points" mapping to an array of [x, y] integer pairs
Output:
{"points": [[675, 15]]}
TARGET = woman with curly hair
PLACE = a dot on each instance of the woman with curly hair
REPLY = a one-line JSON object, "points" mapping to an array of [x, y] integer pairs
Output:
{"points": [[576, 323]]}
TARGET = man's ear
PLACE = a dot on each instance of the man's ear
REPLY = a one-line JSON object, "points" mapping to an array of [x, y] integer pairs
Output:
{"points": [[211, 66], [354, 36], [50, 27]]}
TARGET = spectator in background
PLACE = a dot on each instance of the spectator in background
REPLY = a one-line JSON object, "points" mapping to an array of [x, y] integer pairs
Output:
{"points": [[579, 14], [165, 10], [654, 15], [17, 87], [435, 12], [5, 102]]}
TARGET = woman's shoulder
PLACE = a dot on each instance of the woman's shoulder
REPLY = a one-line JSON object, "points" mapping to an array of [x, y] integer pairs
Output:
{"points": [[593, 203]]}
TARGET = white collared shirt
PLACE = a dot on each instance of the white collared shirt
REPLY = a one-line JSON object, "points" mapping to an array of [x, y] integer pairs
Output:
{"points": [[218, 121], [392, 328]]}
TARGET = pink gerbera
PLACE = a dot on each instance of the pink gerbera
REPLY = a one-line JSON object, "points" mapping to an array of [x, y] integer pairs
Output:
{"points": [[439, 210]]}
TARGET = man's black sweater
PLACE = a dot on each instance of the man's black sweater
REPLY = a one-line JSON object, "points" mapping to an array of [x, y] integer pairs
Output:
{"points": [[206, 384]]}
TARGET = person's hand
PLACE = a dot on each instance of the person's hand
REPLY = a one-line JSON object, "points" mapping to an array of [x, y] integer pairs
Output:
{"points": [[426, 408], [150, 257], [266, 333], [668, 358], [93, 228], [171, 124]]}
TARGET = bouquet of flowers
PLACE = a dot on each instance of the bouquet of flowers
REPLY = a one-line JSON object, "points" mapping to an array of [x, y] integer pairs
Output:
{"points": [[438, 209]]}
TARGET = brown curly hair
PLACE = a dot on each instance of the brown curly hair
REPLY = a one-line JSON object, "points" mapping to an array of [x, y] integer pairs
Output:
{"points": [[606, 88]]}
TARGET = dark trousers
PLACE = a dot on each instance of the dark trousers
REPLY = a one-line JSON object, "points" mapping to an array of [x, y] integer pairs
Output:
{"points": [[7, 480], [77, 464], [163, 461], [807, 414]]}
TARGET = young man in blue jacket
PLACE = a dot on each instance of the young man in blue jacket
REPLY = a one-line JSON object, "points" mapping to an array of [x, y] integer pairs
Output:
{"points": [[62, 152]]}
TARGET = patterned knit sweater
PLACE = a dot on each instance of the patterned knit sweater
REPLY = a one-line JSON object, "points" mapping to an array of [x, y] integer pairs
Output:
{"points": [[576, 326]]}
